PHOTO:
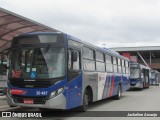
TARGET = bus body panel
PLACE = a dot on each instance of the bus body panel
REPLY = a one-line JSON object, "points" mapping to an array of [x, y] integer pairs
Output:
{"points": [[70, 98], [104, 85], [126, 83], [19, 94], [74, 92]]}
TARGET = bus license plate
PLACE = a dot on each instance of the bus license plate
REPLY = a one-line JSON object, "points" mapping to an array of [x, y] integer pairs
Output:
{"points": [[28, 101]]}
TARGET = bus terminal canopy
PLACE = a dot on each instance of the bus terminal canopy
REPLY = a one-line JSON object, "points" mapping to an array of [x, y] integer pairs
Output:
{"points": [[12, 24]]}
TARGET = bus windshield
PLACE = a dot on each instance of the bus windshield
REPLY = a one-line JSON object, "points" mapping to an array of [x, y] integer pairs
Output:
{"points": [[40, 63], [134, 72]]}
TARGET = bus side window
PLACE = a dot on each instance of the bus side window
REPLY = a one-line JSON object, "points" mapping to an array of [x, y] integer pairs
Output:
{"points": [[127, 66], [73, 64], [119, 66], [115, 66], [109, 63], [69, 59]]}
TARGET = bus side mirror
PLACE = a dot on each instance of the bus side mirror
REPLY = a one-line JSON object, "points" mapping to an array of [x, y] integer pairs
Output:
{"points": [[74, 56]]}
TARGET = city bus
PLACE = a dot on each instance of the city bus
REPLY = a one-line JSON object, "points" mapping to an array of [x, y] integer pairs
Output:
{"points": [[154, 77], [139, 75], [158, 78], [58, 71], [3, 71]]}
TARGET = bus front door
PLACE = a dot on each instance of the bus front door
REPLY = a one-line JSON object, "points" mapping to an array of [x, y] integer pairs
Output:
{"points": [[74, 78]]}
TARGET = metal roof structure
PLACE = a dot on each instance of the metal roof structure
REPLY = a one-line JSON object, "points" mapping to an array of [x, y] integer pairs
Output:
{"points": [[143, 48], [12, 25]]}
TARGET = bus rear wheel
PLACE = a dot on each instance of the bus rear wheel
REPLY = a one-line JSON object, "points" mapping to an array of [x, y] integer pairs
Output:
{"points": [[119, 93], [84, 106]]}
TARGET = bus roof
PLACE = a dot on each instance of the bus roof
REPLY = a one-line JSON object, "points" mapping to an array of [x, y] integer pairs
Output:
{"points": [[104, 50]]}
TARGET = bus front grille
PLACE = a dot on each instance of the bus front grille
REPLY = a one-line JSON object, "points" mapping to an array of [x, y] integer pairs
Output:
{"points": [[38, 83], [36, 100], [31, 84]]}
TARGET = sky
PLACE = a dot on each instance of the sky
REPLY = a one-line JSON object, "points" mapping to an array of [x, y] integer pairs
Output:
{"points": [[106, 23]]}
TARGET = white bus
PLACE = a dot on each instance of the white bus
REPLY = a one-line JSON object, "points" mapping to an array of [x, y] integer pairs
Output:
{"points": [[139, 75]]}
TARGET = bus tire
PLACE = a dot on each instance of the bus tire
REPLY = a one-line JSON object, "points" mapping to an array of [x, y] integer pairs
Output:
{"points": [[119, 92], [12, 106], [43, 109], [84, 106]]}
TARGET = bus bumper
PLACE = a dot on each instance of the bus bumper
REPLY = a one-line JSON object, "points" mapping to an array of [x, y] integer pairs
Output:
{"points": [[58, 102], [154, 83], [137, 85]]}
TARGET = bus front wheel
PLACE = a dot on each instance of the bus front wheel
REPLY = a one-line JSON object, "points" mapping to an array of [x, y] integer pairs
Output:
{"points": [[12, 106], [84, 106]]}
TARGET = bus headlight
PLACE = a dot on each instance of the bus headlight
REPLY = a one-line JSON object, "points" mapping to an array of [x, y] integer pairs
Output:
{"points": [[60, 90], [53, 94], [56, 92], [9, 92]]}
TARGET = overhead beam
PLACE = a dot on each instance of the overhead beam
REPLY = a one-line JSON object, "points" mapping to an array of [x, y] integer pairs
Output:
{"points": [[142, 59]]}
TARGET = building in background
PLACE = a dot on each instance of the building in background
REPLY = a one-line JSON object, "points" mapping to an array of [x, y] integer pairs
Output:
{"points": [[147, 55]]}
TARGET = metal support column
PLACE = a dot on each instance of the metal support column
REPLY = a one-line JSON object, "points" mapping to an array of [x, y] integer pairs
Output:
{"points": [[150, 58], [142, 59]]}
